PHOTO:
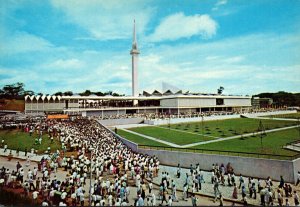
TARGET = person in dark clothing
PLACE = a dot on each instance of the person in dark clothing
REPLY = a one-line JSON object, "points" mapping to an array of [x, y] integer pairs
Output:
{"points": [[281, 183]]}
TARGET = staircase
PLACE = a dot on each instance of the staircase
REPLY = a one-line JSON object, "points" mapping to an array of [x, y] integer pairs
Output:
{"points": [[295, 146]]}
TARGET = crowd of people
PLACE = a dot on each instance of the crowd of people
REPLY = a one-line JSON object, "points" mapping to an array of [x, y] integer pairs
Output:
{"points": [[98, 153], [186, 114], [94, 152]]}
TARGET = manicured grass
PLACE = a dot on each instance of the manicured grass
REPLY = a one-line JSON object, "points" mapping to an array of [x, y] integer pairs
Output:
{"points": [[272, 143], [187, 133], [173, 136], [287, 116], [18, 139], [138, 139], [229, 127]]}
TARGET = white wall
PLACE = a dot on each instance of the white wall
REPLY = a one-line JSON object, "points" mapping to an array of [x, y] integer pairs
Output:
{"points": [[194, 119], [237, 102], [255, 167], [171, 102], [196, 102]]}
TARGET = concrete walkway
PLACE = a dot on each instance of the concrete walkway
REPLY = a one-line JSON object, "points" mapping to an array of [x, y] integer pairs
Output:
{"points": [[61, 175], [152, 138], [32, 157], [253, 116], [207, 187]]}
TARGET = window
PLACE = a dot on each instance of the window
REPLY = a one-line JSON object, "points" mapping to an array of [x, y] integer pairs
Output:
{"points": [[220, 101]]}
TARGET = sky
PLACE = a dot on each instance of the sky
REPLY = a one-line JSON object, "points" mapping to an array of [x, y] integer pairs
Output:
{"points": [[248, 47]]}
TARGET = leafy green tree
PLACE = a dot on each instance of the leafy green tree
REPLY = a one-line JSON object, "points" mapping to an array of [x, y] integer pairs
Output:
{"points": [[220, 90], [58, 93], [86, 93], [68, 93], [30, 93]]}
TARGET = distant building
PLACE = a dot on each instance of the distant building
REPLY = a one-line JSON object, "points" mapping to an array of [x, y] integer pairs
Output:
{"points": [[158, 103], [258, 102]]}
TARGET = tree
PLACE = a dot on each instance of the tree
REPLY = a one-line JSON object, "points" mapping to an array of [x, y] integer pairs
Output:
{"points": [[220, 90], [108, 93], [30, 93], [58, 93], [13, 90], [68, 93], [99, 93], [282, 98], [86, 93]]}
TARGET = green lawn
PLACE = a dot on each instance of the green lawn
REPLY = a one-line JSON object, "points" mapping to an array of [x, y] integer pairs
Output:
{"points": [[187, 133], [18, 139], [173, 136], [229, 127], [138, 139], [287, 116], [272, 146], [272, 143]]}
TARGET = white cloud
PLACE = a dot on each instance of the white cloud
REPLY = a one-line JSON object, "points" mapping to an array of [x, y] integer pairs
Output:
{"points": [[233, 63], [222, 60], [106, 20], [178, 26], [65, 64], [218, 4], [21, 42]]}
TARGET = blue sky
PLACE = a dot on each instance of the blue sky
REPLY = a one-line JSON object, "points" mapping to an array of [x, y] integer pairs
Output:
{"points": [[247, 47]]}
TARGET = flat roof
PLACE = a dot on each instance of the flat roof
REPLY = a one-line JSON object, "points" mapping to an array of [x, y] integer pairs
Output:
{"points": [[150, 97]]}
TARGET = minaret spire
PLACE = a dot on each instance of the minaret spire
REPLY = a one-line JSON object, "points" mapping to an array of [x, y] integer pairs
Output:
{"points": [[134, 52], [134, 41]]}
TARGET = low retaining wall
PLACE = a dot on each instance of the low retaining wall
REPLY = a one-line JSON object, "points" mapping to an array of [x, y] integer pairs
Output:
{"points": [[133, 146], [253, 167], [194, 119], [113, 122], [270, 113], [211, 118]]}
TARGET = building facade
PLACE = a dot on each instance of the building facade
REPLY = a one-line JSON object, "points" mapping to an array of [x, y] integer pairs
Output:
{"points": [[103, 105]]}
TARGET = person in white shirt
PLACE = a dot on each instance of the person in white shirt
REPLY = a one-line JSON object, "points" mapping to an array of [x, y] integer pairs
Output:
{"points": [[170, 201], [102, 202], [63, 195], [35, 195], [153, 200], [62, 204], [35, 170], [45, 203], [73, 197], [110, 200]]}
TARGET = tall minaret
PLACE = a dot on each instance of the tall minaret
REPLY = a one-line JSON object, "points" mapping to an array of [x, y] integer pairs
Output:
{"points": [[134, 52]]}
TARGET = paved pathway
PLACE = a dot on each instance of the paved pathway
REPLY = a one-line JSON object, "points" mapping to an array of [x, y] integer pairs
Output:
{"points": [[203, 201], [152, 138], [32, 156], [207, 187], [253, 116]]}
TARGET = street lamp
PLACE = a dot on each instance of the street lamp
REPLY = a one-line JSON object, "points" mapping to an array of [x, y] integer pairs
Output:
{"points": [[299, 127], [202, 124], [262, 131], [91, 173]]}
